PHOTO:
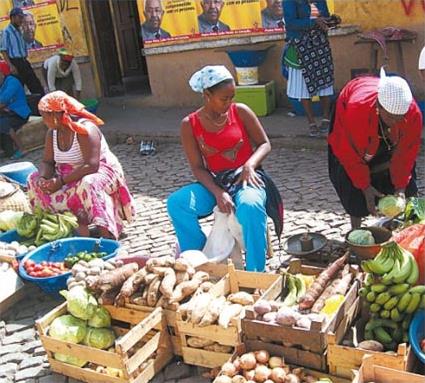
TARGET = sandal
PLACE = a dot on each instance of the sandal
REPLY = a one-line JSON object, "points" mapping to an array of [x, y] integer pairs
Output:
{"points": [[314, 130], [324, 127]]}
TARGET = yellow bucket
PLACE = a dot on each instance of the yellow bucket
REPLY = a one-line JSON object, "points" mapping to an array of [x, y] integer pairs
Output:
{"points": [[247, 76]]}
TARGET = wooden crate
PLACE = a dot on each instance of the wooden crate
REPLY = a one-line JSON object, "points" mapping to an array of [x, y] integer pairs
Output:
{"points": [[234, 281], [306, 345], [139, 329], [372, 371], [276, 351]]}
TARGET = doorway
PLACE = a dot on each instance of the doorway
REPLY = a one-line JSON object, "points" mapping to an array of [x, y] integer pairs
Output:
{"points": [[116, 31]]}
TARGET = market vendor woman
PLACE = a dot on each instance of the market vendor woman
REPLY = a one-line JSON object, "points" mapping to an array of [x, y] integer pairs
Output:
{"points": [[225, 145], [373, 144]]}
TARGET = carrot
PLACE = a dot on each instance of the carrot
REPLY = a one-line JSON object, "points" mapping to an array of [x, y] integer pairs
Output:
{"points": [[320, 283]]}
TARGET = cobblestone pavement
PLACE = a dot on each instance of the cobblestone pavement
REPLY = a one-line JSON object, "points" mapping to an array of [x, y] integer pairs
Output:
{"points": [[310, 203]]}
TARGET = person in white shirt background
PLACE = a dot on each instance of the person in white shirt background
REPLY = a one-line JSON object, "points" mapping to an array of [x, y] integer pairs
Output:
{"points": [[421, 65], [61, 72]]}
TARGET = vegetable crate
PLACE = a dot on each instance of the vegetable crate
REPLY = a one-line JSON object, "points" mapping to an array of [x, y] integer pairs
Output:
{"points": [[216, 271], [233, 282], [274, 350], [343, 359], [139, 367], [372, 371], [300, 345]]}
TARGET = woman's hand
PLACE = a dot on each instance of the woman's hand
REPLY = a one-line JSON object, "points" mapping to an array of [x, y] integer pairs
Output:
{"points": [[52, 185], [224, 202], [249, 177], [370, 194], [321, 23]]}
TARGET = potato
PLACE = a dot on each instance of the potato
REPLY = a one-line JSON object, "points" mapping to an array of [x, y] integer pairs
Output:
{"points": [[371, 345], [262, 307]]}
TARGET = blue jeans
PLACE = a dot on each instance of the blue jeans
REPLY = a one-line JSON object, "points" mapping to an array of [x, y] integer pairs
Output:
{"points": [[188, 204]]}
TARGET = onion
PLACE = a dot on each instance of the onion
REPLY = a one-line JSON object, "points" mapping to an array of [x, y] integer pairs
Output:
{"points": [[262, 373], [269, 381], [262, 307], [270, 317], [229, 369], [274, 305], [262, 356], [248, 361], [223, 379], [291, 378], [249, 374], [278, 375], [276, 361], [238, 379], [237, 364]]}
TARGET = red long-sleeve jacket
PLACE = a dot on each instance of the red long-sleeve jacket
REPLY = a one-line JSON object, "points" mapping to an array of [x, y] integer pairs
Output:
{"points": [[355, 133]]}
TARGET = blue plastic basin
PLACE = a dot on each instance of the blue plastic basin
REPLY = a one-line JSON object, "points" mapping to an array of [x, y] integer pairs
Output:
{"points": [[9, 237], [18, 172], [247, 58], [417, 333], [57, 251]]}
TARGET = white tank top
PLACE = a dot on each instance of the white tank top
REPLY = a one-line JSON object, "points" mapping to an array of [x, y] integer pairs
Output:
{"points": [[73, 156]]}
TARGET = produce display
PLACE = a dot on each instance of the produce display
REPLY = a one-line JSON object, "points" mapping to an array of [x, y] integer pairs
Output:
{"points": [[42, 226], [391, 206], [261, 367], [392, 297], [44, 269], [72, 259], [308, 299], [14, 249], [415, 211], [9, 219]]}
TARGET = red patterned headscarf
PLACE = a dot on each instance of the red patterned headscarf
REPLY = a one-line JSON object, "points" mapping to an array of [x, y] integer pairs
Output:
{"points": [[59, 101]]}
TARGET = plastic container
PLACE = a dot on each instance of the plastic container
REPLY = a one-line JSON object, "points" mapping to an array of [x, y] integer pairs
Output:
{"points": [[247, 76], [18, 172], [91, 104], [9, 237], [417, 333], [247, 58], [57, 251], [260, 98]]}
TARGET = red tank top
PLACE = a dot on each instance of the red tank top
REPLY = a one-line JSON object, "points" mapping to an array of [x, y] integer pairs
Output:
{"points": [[228, 148]]}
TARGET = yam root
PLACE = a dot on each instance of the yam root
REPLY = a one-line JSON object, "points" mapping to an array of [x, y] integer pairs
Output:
{"points": [[201, 276], [108, 297], [206, 286], [200, 306], [213, 312], [153, 292], [184, 289], [114, 279], [166, 261], [320, 283], [328, 292], [242, 298], [229, 312], [149, 278], [167, 284], [181, 264], [130, 286], [181, 276]]}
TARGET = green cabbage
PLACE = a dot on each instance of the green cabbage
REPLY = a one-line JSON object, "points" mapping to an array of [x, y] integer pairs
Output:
{"points": [[361, 237], [391, 206], [9, 219], [70, 359], [101, 318], [102, 338], [81, 304], [68, 328]]}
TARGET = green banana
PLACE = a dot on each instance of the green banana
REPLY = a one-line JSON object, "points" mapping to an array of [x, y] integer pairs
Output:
{"points": [[374, 307], [371, 296], [369, 280], [398, 335], [378, 288], [404, 301], [381, 264], [382, 335], [365, 267], [385, 314], [300, 285], [414, 272], [383, 298], [291, 298], [399, 289], [395, 315], [387, 278], [374, 323], [363, 292], [391, 303], [368, 335], [405, 267], [414, 303], [406, 322], [422, 303], [48, 229], [420, 289]]}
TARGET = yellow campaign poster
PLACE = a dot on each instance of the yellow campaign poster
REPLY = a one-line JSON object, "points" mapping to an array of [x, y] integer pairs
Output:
{"points": [[167, 20], [272, 18], [5, 7]]}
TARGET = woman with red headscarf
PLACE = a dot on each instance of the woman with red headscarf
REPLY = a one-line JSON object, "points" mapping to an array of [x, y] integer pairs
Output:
{"points": [[78, 172]]}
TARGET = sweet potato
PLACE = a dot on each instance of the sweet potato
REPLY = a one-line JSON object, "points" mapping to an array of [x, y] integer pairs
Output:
{"points": [[166, 261], [242, 298], [197, 342], [153, 292], [149, 278], [206, 286], [181, 264], [130, 286], [229, 312], [199, 307], [181, 276], [201, 276], [213, 312], [113, 279], [108, 297], [167, 284], [160, 270]]}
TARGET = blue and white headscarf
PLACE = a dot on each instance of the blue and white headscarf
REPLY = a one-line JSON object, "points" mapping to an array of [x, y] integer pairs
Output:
{"points": [[209, 76]]}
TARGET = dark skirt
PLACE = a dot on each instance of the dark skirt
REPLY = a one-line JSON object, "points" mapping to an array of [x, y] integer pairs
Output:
{"points": [[352, 198]]}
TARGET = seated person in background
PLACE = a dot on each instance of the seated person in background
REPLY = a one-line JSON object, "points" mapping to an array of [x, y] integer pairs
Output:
{"points": [[272, 15], [14, 111], [78, 172], [225, 145], [209, 20], [61, 72]]}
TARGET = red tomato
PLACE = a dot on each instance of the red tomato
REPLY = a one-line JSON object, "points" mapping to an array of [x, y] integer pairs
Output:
{"points": [[38, 268], [43, 263]]}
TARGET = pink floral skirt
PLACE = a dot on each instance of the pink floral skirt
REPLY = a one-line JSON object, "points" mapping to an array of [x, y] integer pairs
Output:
{"points": [[102, 198]]}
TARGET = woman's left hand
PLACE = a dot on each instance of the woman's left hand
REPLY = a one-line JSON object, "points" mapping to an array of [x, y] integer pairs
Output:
{"points": [[52, 185], [249, 177]]}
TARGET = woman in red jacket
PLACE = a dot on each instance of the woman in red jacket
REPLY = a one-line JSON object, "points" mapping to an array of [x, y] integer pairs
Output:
{"points": [[373, 144]]}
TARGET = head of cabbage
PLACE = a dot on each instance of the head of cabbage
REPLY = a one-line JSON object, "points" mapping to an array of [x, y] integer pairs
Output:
{"points": [[391, 206], [70, 359], [68, 328], [361, 237], [101, 318], [102, 338], [80, 303]]}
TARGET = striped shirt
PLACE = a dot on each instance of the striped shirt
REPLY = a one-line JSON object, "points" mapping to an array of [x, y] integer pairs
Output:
{"points": [[13, 43], [73, 156]]}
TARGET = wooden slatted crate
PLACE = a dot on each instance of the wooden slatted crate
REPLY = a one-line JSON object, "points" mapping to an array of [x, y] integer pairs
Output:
{"points": [[152, 356], [234, 281], [300, 344]]}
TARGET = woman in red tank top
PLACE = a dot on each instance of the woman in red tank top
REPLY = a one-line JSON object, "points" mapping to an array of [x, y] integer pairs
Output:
{"points": [[222, 136]]}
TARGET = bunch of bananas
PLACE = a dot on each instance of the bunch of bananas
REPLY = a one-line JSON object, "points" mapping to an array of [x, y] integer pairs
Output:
{"points": [[296, 289], [390, 292], [46, 227]]}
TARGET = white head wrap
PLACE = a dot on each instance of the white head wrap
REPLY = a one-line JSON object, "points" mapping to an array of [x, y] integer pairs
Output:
{"points": [[209, 76], [394, 94]]}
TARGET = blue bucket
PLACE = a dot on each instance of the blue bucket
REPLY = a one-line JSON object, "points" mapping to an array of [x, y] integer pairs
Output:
{"points": [[417, 333], [11, 236], [18, 172], [57, 251], [91, 104], [247, 58]]}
